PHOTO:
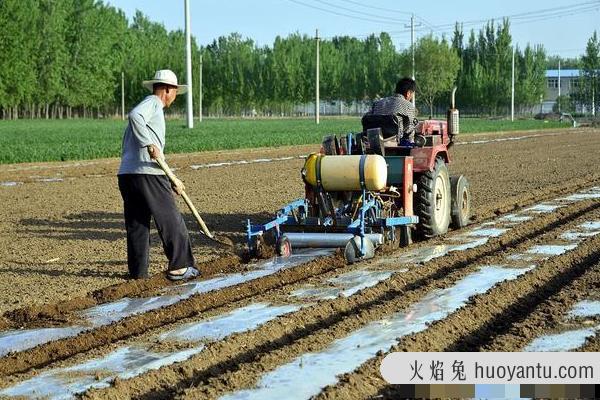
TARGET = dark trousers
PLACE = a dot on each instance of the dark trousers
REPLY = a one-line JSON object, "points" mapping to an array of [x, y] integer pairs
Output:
{"points": [[146, 196]]}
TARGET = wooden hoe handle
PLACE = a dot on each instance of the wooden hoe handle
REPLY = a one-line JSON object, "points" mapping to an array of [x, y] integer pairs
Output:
{"points": [[165, 167]]}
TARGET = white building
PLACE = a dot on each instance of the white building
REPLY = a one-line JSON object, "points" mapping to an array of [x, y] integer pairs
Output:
{"points": [[569, 80]]}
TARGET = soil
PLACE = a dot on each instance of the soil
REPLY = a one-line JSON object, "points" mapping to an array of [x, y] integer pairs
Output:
{"points": [[72, 231], [507, 318], [61, 240], [239, 361]]}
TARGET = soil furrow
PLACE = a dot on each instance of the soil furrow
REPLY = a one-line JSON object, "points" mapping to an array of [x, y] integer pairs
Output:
{"points": [[547, 316], [58, 313], [471, 328], [47, 315], [138, 324], [410, 286], [592, 345], [535, 196]]}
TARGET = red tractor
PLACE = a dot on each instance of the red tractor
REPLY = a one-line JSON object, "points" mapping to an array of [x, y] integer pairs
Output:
{"points": [[364, 189]]}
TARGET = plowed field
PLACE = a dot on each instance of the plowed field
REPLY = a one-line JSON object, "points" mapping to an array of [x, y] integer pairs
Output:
{"points": [[72, 323]]}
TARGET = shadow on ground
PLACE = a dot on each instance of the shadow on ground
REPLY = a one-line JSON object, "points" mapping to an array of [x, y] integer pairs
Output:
{"points": [[100, 225]]}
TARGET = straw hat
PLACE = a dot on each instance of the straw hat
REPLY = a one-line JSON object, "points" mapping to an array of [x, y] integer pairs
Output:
{"points": [[165, 76]]}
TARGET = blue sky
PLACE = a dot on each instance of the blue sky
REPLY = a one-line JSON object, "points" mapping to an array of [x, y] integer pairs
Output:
{"points": [[563, 27]]}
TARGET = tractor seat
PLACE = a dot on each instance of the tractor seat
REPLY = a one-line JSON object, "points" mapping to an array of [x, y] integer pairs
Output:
{"points": [[389, 124]]}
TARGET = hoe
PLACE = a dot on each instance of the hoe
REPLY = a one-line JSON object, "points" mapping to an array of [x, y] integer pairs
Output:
{"points": [[221, 240]]}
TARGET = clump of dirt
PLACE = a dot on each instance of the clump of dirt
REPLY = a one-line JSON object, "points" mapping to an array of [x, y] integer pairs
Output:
{"points": [[264, 248], [225, 241]]}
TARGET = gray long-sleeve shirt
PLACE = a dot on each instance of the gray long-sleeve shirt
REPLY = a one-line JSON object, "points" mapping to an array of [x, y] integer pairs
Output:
{"points": [[146, 126]]}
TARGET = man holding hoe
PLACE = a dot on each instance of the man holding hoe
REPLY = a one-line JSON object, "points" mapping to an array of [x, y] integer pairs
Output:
{"points": [[146, 190]]}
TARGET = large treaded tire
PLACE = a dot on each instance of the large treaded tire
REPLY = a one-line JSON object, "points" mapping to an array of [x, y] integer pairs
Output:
{"points": [[461, 201], [432, 201]]}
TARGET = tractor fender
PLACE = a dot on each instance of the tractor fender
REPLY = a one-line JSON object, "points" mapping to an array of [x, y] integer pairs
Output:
{"points": [[443, 154], [424, 158]]}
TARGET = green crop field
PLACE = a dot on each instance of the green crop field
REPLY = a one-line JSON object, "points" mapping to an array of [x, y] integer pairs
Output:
{"points": [[41, 140]]}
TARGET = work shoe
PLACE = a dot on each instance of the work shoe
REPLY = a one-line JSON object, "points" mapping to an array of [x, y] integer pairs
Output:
{"points": [[190, 273]]}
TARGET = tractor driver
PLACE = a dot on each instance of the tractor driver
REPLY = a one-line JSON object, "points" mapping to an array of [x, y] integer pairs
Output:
{"points": [[400, 104]]}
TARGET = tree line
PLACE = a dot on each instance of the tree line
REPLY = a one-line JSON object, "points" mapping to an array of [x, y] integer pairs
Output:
{"points": [[65, 58]]}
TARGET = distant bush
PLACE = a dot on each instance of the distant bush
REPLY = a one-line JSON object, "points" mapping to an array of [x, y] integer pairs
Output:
{"points": [[567, 105]]}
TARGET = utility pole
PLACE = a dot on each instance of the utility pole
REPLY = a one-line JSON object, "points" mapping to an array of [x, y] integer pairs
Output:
{"points": [[558, 86], [512, 97], [188, 64], [123, 95], [317, 82], [200, 92], [412, 47]]}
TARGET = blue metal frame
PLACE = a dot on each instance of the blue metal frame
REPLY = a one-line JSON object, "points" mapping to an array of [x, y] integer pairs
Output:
{"points": [[395, 221], [356, 227], [283, 217]]}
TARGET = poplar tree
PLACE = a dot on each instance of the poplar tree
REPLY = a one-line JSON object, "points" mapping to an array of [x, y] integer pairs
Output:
{"points": [[590, 75], [18, 55], [438, 67]]}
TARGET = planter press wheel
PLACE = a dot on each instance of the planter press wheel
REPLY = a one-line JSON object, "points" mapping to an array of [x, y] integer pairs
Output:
{"points": [[352, 250], [283, 247]]}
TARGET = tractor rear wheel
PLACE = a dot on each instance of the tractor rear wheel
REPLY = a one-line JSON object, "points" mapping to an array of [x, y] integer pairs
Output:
{"points": [[432, 201], [461, 201]]}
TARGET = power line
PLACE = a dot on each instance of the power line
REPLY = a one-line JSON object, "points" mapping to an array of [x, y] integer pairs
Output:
{"points": [[514, 23], [515, 19], [531, 16], [443, 29], [554, 51], [371, 7], [427, 23], [359, 12], [378, 8], [380, 21]]}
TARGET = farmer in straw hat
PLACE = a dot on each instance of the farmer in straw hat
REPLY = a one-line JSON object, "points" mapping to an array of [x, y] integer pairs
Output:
{"points": [[146, 190]]}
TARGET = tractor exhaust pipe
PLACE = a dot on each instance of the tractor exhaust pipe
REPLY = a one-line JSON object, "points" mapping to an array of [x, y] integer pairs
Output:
{"points": [[453, 98], [453, 117]]}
